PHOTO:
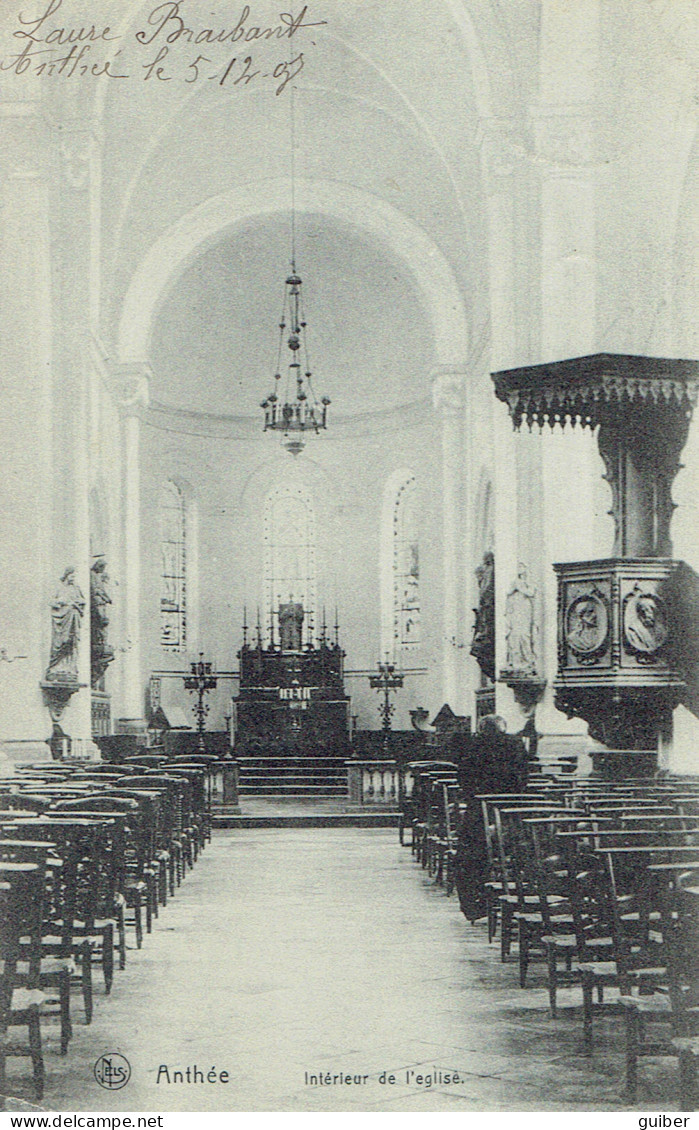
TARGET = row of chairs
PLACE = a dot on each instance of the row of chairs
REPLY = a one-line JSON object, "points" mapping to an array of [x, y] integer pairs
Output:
{"points": [[600, 882], [434, 819], [87, 853]]}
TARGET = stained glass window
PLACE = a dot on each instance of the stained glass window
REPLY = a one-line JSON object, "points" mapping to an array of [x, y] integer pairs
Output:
{"points": [[289, 552], [406, 566], [173, 571]]}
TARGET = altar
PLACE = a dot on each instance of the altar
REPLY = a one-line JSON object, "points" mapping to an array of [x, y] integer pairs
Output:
{"points": [[292, 696]]}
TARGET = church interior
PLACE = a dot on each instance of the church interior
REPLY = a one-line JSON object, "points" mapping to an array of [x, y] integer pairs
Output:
{"points": [[349, 554]]}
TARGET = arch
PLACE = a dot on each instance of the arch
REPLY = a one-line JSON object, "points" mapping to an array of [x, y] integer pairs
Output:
{"points": [[183, 240], [474, 50]]}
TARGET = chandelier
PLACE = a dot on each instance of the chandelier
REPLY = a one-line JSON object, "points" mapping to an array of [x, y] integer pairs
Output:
{"points": [[296, 410]]}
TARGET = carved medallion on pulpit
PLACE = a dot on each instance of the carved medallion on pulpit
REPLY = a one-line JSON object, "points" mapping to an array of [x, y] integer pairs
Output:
{"points": [[587, 626], [645, 624]]}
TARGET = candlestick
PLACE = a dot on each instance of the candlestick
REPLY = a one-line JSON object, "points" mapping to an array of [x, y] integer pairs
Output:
{"points": [[389, 681], [200, 681]]}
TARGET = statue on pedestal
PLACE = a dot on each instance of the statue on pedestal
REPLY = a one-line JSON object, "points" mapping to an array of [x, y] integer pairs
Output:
{"points": [[291, 626], [101, 654], [521, 626], [483, 642], [67, 609]]}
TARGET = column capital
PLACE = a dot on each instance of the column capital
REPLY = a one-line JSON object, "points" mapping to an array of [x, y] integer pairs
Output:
{"points": [[132, 388], [564, 136], [448, 392], [25, 149], [78, 143], [494, 138], [127, 381]]}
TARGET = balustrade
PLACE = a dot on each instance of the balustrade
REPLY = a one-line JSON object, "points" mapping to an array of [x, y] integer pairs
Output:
{"points": [[377, 783]]}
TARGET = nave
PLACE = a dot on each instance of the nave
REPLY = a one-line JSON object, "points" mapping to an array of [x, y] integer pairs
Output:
{"points": [[289, 951]]}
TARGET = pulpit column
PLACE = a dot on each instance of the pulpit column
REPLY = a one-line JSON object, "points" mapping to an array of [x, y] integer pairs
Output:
{"points": [[448, 399]]}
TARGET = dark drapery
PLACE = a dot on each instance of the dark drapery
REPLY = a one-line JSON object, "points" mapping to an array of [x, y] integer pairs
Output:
{"points": [[487, 763]]}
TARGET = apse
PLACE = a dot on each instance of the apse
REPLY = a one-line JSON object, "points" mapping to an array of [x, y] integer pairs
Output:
{"points": [[215, 339]]}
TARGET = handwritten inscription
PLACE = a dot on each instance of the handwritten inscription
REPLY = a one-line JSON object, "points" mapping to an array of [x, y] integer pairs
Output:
{"points": [[161, 49]]}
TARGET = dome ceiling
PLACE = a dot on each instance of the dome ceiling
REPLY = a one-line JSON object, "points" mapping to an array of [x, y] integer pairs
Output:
{"points": [[215, 340]]}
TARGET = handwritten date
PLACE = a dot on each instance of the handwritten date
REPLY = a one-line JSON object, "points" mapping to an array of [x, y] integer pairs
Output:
{"points": [[236, 72]]}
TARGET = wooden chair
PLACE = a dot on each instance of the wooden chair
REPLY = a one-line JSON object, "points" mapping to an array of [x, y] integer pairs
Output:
{"points": [[163, 848], [678, 1007], [519, 895], [422, 770], [681, 933], [145, 873], [55, 970], [66, 934], [558, 940], [179, 832], [433, 833], [110, 865], [142, 761], [590, 905], [542, 912], [193, 808], [21, 908], [132, 884], [494, 887], [205, 768], [446, 847]]}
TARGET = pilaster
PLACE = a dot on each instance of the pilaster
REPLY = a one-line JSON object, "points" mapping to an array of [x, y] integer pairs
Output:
{"points": [[448, 398], [131, 389], [25, 425]]}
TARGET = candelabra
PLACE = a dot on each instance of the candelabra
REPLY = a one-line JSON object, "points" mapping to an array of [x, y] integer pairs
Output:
{"points": [[201, 680], [388, 680]]}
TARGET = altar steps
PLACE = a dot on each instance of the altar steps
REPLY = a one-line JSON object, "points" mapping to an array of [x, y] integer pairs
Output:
{"points": [[292, 777], [302, 812]]}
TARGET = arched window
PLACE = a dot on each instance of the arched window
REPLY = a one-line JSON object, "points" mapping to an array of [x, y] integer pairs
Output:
{"points": [[173, 570], [289, 552], [400, 567]]}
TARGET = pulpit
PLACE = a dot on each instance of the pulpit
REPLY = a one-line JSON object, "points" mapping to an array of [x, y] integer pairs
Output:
{"points": [[620, 663]]}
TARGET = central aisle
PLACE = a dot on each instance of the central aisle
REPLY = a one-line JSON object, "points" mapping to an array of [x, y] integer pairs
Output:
{"points": [[326, 951]]}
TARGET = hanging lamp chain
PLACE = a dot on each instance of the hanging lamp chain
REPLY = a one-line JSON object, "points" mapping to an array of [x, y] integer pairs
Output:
{"points": [[300, 412]]}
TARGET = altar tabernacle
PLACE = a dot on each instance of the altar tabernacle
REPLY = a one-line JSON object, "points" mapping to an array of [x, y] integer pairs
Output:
{"points": [[292, 696]]}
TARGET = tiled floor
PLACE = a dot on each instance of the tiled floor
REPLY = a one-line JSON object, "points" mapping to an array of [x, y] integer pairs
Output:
{"points": [[329, 952]]}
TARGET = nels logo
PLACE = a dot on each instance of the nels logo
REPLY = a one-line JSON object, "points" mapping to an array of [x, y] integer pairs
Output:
{"points": [[112, 1071]]}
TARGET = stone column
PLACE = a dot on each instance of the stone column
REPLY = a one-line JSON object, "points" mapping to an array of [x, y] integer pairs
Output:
{"points": [[562, 123], [448, 399], [72, 222], [499, 185], [26, 357], [132, 396], [77, 718]]}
